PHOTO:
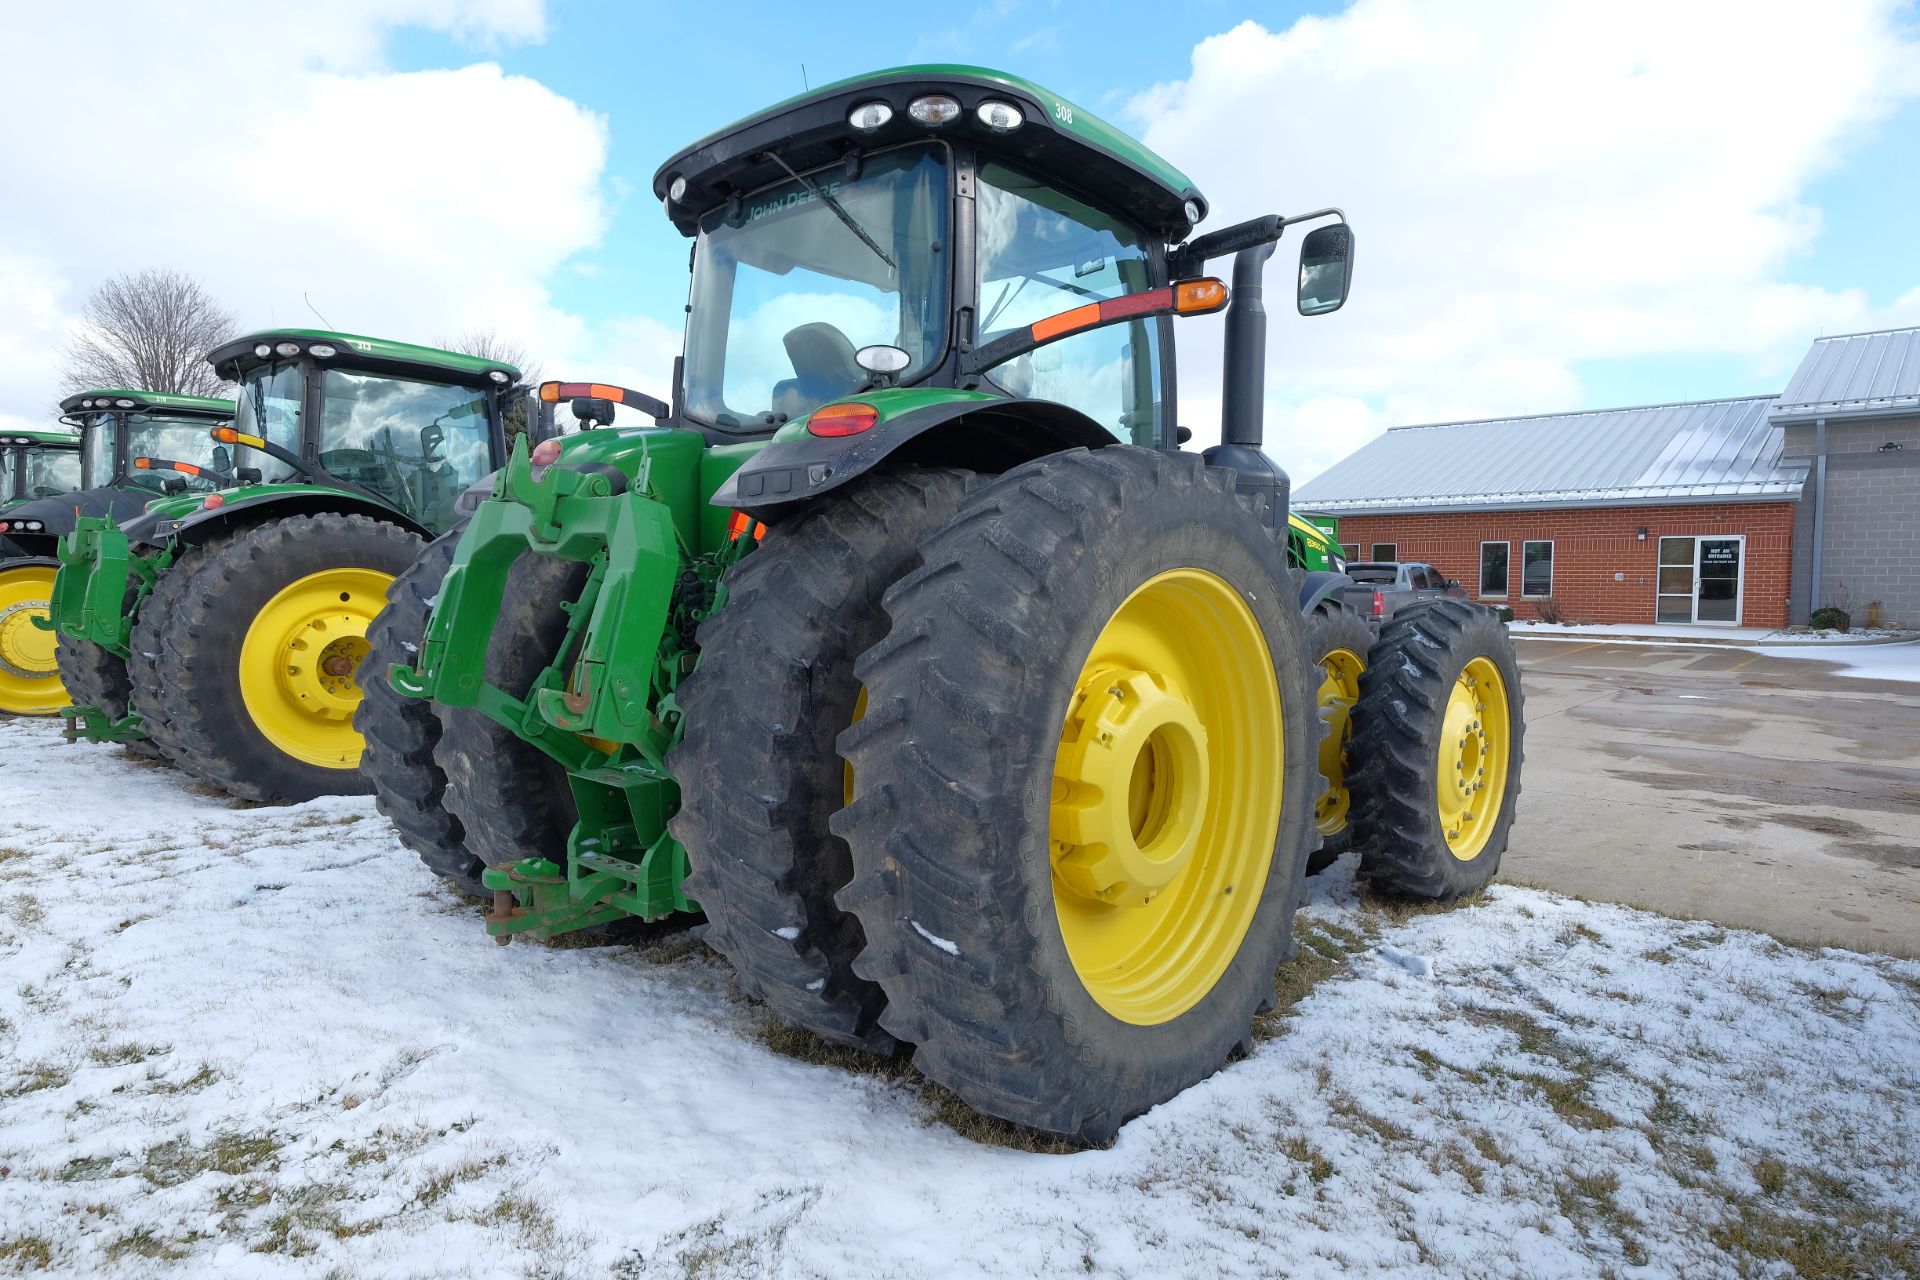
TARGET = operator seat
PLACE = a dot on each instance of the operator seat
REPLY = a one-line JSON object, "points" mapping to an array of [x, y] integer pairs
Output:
{"points": [[823, 367]]}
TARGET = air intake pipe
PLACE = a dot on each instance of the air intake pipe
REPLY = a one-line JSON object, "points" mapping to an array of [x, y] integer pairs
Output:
{"points": [[1244, 390]]}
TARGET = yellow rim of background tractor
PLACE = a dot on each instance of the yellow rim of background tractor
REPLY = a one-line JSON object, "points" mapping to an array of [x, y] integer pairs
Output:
{"points": [[1476, 743], [1166, 796], [29, 672], [298, 659], [1339, 691]]}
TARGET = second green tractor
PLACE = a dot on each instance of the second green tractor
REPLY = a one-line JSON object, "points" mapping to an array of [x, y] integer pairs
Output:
{"points": [[224, 629]]}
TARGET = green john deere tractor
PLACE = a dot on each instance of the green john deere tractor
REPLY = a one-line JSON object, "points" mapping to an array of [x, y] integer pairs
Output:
{"points": [[225, 629], [975, 714], [121, 433], [37, 464]]}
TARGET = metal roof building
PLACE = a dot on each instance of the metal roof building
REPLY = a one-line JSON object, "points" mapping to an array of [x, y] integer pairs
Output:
{"points": [[1703, 451], [1855, 375]]}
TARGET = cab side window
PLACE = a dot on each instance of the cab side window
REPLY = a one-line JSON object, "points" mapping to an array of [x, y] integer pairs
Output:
{"points": [[1042, 252]]}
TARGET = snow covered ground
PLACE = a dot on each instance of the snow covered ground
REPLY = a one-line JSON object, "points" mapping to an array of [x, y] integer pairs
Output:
{"points": [[1865, 662], [264, 1042]]}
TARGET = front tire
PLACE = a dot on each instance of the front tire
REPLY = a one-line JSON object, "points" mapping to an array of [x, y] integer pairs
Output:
{"points": [[401, 733], [1437, 747], [29, 672], [258, 640], [758, 773], [1084, 789]]}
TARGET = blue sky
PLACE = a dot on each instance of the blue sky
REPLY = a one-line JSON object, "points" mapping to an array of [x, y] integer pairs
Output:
{"points": [[1558, 204], [686, 78]]}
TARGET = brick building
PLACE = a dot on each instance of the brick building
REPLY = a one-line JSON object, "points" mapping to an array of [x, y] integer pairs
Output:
{"points": [[1671, 513]]}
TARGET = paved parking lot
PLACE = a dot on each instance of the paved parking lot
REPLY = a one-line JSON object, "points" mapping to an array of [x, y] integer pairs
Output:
{"points": [[1724, 784]]}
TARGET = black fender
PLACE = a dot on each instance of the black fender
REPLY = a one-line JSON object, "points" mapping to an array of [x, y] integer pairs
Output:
{"points": [[56, 515], [1322, 585], [980, 435], [209, 522]]}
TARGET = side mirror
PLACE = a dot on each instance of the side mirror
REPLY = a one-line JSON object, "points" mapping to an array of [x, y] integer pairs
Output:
{"points": [[248, 475], [432, 436], [1452, 583], [1326, 269], [593, 411], [222, 459]]}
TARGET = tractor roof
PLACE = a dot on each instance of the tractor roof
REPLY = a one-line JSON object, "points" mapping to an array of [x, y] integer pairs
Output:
{"points": [[50, 439], [356, 351], [1058, 138], [112, 398]]}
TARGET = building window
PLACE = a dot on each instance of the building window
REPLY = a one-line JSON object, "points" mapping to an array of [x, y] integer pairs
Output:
{"points": [[1536, 568], [1349, 551], [1386, 552], [1493, 568]]}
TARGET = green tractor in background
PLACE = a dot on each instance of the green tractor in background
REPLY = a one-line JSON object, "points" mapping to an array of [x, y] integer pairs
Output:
{"points": [[37, 464], [975, 714], [122, 433], [225, 629]]}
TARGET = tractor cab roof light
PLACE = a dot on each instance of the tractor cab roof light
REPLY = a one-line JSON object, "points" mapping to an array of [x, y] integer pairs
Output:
{"points": [[934, 109], [262, 350], [322, 350], [287, 348], [123, 404], [1001, 117], [677, 189], [498, 375], [869, 116]]}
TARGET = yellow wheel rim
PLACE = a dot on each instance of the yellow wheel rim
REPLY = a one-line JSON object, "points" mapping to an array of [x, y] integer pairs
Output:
{"points": [[1476, 741], [1339, 691], [29, 674], [298, 659], [859, 710], [1166, 796]]}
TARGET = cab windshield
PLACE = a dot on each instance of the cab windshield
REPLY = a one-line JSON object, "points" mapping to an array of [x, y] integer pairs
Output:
{"points": [[786, 291], [178, 439], [97, 460], [416, 444], [49, 472], [270, 408]]}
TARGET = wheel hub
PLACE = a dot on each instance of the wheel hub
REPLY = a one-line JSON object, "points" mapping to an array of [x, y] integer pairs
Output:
{"points": [[25, 650], [1339, 691], [1473, 758], [298, 661], [1128, 787]]}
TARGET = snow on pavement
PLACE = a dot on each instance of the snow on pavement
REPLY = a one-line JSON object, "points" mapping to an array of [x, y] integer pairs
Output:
{"points": [[265, 1042]]}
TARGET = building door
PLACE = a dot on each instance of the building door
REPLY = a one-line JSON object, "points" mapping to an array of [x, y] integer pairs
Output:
{"points": [[1675, 601], [1701, 580], [1717, 594]]}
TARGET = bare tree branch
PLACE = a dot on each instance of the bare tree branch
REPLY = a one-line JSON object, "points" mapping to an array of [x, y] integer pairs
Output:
{"points": [[487, 344], [148, 331]]}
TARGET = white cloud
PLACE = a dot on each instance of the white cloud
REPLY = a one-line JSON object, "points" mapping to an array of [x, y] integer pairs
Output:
{"points": [[1531, 185], [278, 155]]}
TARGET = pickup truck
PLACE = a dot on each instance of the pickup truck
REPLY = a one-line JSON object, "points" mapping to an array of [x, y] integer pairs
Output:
{"points": [[1384, 586]]}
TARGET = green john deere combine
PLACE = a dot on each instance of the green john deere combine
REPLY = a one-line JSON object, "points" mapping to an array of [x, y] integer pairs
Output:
{"points": [[975, 714], [37, 464], [121, 433], [225, 629]]}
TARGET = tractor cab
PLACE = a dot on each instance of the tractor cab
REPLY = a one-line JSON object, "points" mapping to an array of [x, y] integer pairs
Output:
{"points": [[37, 464], [410, 427], [134, 446], [955, 262]]}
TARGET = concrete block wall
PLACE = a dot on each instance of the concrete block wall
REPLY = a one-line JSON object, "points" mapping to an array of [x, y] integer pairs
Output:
{"points": [[1592, 546], [1872, 549]]}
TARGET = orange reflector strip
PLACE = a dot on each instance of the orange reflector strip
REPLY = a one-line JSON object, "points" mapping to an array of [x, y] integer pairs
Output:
{"points": [[228, 435], [143, 464], [186, 467], [1205, 294], [554, 392], [1066, 322], [1146, 302]]}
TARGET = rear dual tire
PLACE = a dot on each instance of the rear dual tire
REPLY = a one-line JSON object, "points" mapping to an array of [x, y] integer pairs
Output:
{"points": [[1070, 596]]}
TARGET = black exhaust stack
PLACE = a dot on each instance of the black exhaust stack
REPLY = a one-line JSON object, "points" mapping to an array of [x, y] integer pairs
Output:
{"points": [[1244, 390]]}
